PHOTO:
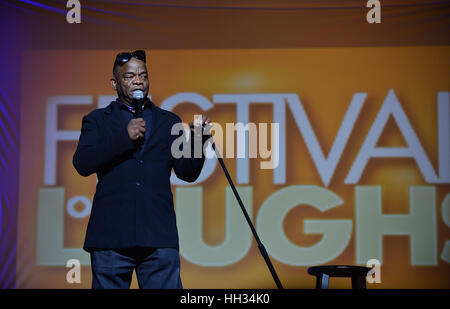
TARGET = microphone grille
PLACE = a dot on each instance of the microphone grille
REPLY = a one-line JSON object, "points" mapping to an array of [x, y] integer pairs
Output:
{"points": [[138, 95]]}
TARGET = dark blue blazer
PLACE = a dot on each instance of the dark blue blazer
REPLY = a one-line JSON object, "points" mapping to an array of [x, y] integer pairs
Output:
{"points": [[133, 202]]}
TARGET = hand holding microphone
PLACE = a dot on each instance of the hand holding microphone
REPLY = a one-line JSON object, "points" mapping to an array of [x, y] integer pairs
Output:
{"points": [[137, 126]]}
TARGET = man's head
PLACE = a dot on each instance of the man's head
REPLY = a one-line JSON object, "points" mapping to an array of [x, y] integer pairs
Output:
{"points": [[130, 74]]}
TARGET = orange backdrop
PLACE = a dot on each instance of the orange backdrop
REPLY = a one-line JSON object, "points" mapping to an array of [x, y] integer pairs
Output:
{"points": [[324, 81]]}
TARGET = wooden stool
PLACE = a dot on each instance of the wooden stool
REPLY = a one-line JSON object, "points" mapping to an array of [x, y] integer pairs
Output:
{"points": [[323, 273]]}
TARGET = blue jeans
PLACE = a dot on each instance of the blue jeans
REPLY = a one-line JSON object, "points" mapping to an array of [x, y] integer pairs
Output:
{"points": [[156, 268]]}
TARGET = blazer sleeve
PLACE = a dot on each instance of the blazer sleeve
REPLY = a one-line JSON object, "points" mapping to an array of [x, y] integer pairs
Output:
{"points": [[94, 152], [189, 168]]}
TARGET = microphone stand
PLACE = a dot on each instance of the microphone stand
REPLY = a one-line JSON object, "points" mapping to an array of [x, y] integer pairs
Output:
{"points": [[261, 247]]}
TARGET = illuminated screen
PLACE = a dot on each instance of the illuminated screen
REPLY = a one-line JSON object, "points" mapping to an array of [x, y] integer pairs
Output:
{"points": [[358, 168]]}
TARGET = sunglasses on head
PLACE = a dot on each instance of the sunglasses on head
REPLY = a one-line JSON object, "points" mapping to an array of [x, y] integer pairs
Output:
{"points": [[123, 58]]}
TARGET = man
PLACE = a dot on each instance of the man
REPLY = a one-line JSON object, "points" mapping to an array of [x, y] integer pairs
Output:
{"points": [[132, 224]]}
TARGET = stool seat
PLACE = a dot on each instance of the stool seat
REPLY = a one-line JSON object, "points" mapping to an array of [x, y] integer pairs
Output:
{"points": [[322, 273]]}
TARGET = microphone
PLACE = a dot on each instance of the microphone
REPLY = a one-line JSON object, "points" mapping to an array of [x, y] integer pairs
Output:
{"points": [[138, 99]]}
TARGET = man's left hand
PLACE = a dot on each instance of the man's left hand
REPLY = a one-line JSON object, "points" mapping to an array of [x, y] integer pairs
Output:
{"points": [[202, 121]]}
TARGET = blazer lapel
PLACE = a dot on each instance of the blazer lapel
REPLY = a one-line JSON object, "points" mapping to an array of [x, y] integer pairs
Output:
{"points": [[114, 122], [115, 119], [155, 125]]}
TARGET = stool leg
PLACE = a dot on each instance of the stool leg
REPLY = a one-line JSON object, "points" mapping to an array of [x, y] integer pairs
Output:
{"points": [[358, 282], [322, 281]]}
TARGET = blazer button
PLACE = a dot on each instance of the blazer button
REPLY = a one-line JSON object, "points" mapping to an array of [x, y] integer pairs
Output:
{"points": [[138, 183]]}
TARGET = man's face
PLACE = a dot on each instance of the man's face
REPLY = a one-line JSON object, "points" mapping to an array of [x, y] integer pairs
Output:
{"points": [[129, 77]]}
